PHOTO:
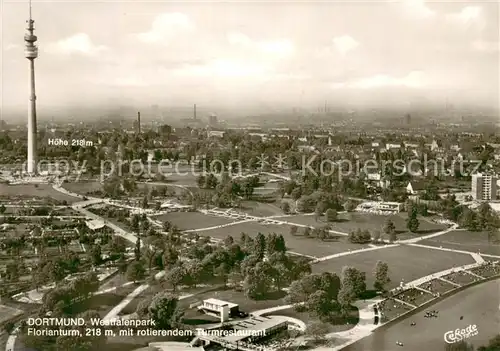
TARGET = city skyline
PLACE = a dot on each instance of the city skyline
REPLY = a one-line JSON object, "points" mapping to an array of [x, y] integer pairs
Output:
{"points": [[366, 53]]}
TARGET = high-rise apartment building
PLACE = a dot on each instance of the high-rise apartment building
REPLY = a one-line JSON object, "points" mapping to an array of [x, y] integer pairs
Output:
{"points": [[484, 186]]}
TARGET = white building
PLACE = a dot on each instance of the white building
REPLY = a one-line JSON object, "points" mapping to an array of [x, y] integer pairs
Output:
{"points": [[484, 186], [219, 308]]}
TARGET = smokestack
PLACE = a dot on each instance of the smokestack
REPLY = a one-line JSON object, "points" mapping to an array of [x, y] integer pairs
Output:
{"points": [[194, 111], [138, 122]]}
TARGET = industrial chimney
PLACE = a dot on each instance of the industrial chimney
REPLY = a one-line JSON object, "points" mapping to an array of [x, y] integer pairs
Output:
{"points": [[138, 122]]}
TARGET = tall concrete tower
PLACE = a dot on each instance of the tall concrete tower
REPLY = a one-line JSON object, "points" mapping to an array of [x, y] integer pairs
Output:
{"points": [[139, 122], [31, 53]]}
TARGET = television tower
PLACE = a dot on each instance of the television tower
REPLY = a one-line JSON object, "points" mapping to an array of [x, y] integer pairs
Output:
{"points": [[31, 53]]}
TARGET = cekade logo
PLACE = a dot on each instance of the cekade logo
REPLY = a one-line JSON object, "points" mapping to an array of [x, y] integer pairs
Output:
{"points": [[457, 335]]}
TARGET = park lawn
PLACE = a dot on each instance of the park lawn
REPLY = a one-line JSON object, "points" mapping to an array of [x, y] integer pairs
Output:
{"points": [[260, 209], [305, 219], [351, 221], [405, 263], [83, 187], [152, 290], [296, 243], [35, 190], [467, 241], [193, 220], [104, 303]]}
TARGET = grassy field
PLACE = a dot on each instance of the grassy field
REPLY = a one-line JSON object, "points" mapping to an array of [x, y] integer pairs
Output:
{"points": [[33, 190], [193, 220], [405, 262], [82, 187], [478, 305], [348, 222], [103, 303], [467, 241], [374, 222], [299, 243], [305, 219], [260, 209]]}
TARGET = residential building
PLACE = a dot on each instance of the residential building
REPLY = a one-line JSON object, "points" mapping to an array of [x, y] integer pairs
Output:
{"points": [[414, 188], [484, 186]]}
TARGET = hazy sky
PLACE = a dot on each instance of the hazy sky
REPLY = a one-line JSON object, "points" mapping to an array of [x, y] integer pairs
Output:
{"points": [[289, 53]]}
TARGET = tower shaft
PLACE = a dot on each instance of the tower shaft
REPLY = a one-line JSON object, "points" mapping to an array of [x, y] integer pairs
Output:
{"points": [[31, 53], [32, 128]]}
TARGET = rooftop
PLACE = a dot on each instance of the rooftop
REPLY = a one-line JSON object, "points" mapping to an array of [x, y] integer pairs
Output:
{"points": [[95, 224], [219, 302]]}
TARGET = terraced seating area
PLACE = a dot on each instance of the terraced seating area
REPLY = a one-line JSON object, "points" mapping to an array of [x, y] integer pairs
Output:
{"points": [[390, 309], [461, 278], [487, 270], [437, 286], [414, 296]]}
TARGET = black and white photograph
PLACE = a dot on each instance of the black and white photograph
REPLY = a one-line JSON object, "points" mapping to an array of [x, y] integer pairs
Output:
{"points": [[249, 175]]}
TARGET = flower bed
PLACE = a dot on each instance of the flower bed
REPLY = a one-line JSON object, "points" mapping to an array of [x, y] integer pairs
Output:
{"points": [[414, 296], [390, 309], [437, 286], [487, 270], [461, 278]]}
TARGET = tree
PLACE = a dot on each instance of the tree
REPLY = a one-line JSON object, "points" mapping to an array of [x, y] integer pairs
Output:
{"points": [[320, 304], [331, 215], [353, 284], [170, 257], [228, 241], [493, 345], [317, 331], [307, 232], [142, 309], [222, 271], [2, 209], [136, 271], [175, 277], [412, 221], [137, 249], [285, 206], [258, 281], [349, 206], [296, 194], [275, 243], [381, 274], [164, 310], [96, 255], [117, 247], [259, 246], [346, 296], [389, 227]]}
